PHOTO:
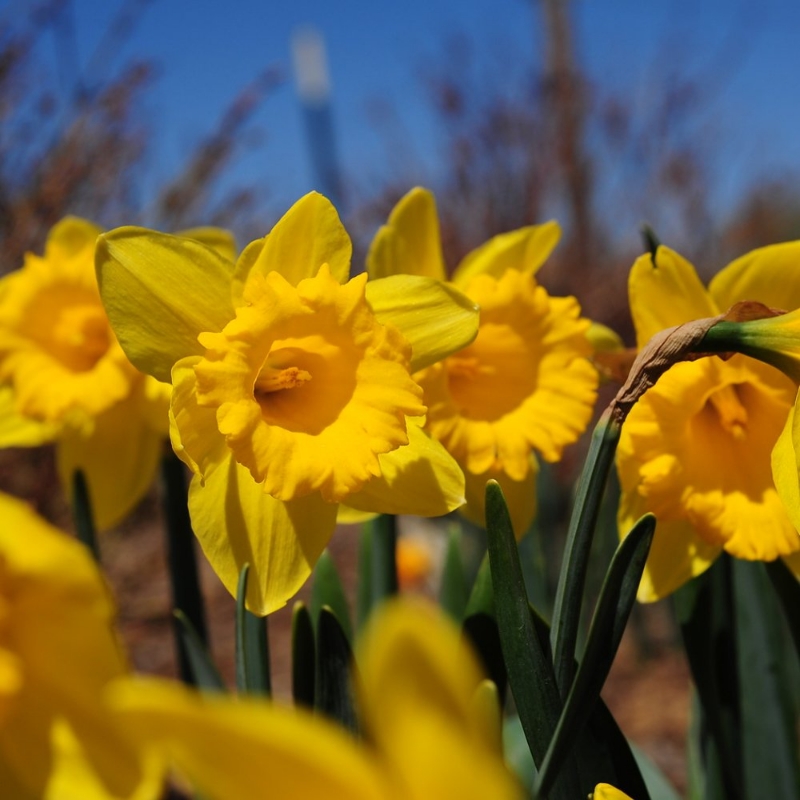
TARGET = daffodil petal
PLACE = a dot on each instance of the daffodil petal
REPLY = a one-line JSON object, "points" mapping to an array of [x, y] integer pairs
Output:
{"points": [[413, 659], [676, 556], [237, 524], [420, 478], [770, 275], [193, 429], [786, 466], [224, 242], [666, 293], [119, 459], [19, 431], [435, 318], [352, 516], [524, 250], [69, 237], [231, 750], [410, 242], [604, 791], [520, 497], [307, 236], [160, 292]]}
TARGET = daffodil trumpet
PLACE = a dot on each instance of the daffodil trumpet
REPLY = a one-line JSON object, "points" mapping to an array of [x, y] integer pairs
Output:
{"points": [[292, 386]]}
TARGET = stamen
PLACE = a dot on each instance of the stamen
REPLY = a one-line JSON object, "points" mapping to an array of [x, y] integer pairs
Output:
{"points": [[732, 414], [275, 380]]}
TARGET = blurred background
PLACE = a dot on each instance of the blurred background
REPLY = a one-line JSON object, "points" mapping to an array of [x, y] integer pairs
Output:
{"points": [[599, 114]]}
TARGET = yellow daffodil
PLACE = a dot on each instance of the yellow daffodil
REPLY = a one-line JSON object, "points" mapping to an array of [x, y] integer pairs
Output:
{"points": [[64, 378], [525, 384], [292, 389], [425, 734], [604, 791], [696, 448], [57, 653]]}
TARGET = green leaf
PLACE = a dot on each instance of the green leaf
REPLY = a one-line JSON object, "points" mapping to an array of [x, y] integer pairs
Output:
{"points": [[303, 656], [335, 665], [769, 729], [202, 672], [364, 588], [787, 588], [658, 786], [453, 590], [572, 578], [481, 598], [530, 672], [705, 612], [252, 645], [384, 558], [82, 514], [482, 632], [327, 590], [611, 616]]}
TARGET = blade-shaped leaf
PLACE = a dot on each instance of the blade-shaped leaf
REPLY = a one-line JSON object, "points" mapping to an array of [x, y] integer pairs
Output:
{"points": [[453, 590], [82, 514], [335, 665], [202, 672], [384, 558], [252, 645], [611, 616], [364, 588], [303, 656], [327, 590]]}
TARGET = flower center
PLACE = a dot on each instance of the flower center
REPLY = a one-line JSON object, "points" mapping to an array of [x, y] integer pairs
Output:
{"points": [[70, 324], [730, 411], [309, 387]]}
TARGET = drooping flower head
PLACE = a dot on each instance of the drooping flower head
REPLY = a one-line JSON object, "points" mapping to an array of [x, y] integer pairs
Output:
{"points": [[696, 448], [292, 387], [57, 654], [525, 384], [426, 735], [64, 377]]}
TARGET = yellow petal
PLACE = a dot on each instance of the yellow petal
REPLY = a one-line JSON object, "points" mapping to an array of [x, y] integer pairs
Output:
{"points": [[242, 749], [414, 659], [237, 524], [786, 466], [525, 250], [410, 242], [520, 497], [307, 236], [224, 242], [193, 429], [435, 318], [420, 478], [17, 430], [69, 237], [676, 556], [119, 458], [160, 292], [665, 294], [604, 791], [770, 275]]}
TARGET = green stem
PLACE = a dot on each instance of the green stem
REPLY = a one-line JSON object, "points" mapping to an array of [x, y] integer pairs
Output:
{"points": [[82, 514], [384, 558], [181, 557]]}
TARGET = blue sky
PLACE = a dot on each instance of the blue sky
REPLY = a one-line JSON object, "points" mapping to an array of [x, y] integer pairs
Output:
{"points": [[208, 50]]}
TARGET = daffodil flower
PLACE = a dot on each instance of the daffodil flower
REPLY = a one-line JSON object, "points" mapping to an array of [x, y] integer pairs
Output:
{"points": [[695, 449], [292, 388], [604, 791], [525, 384], [57, 653], [64, 377], [426, 735]]}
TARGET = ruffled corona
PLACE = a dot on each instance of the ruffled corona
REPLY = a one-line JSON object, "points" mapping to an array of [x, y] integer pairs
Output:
{"points": [[524, 383], [57, 348], [309, 388]]}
